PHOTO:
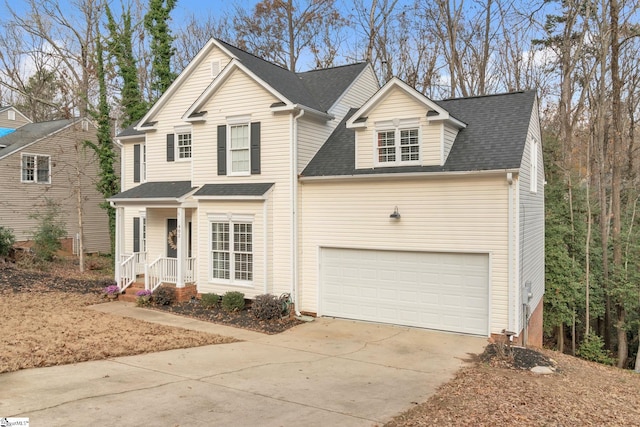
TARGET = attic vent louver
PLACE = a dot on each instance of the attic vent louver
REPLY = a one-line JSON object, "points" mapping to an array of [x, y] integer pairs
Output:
{"points": [[215, 68]]}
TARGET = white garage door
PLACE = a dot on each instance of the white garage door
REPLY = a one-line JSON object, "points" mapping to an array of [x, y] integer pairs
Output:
{"points": [[444, 291]]}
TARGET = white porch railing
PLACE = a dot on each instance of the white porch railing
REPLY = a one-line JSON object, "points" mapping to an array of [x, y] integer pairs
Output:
{"points": [[165, 270], [127, 272]]}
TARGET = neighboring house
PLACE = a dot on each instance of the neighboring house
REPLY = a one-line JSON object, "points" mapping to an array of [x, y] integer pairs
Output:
{"points": [[361, 202], [10, 120], [40, 162]]}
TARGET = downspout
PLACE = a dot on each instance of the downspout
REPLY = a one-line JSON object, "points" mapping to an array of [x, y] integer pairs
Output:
{"points": [[510, 248], [294, 210]]}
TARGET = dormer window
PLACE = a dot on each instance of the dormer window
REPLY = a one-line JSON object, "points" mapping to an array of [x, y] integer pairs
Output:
{"points": [[397, 143]]}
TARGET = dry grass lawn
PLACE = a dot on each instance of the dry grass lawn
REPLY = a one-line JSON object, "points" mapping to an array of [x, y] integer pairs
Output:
{"points": [[46, 322]]}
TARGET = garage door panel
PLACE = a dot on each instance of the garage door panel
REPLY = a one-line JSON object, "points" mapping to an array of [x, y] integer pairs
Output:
{"points": [[446, 291]]}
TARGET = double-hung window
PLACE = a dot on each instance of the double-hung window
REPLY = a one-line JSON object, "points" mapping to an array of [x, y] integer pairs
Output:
{"points": [[232, 250], [239, 149], [184, 145], [397, 143], [36, 168]]}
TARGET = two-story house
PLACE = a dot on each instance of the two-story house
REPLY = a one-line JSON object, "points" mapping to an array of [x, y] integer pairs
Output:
{"points": [[49, 161], [360, 202]]}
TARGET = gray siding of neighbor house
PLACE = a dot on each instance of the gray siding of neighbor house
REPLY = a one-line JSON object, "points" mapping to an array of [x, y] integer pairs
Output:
{"points": [[18, 200], [19, 120]]}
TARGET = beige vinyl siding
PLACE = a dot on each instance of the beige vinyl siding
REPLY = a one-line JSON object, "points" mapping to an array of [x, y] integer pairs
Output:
{"points": [[126, 181], [239, 96], [399, 105], [450, 134], [531, 218], [170, 116], [20, 200], [458, 214], [19, 121], [312, 134], [363, 88], [233, 208]]}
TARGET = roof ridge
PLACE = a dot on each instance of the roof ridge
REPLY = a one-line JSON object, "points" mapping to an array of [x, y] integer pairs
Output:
{"points": [[332, 68], [254, 55], [488, 95]]}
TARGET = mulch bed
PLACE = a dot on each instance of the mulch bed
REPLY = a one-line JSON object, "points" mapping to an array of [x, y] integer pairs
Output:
{"points": [[15, 280], [239, 319], [500, 355]]}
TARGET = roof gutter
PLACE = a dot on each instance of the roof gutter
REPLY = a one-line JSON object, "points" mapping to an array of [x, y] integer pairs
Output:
{"points": [[406, 175], [299, 107]]}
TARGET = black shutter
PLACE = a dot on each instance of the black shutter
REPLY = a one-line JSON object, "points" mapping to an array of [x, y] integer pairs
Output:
{"points": [[136, 163], [136, 234], [255, 148], [170, 147], [222, 150]]}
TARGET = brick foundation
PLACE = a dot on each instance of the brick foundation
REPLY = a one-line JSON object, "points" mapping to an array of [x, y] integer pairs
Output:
{"points": [[186, 293], [534, 332]]}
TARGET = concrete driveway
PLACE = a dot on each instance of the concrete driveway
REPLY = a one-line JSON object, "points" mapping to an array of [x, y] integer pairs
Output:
{"points": [[327, 372]]}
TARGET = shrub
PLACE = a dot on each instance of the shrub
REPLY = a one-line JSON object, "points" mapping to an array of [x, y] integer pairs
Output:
{"points": [[209, 300], [233, 301], [592, 348], [164, 295], [7, 239], [143, 298], [46, 237], [267, 306]]}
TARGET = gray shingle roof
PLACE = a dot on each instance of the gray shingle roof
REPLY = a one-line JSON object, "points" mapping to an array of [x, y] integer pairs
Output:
{"points": [[156, 190], [249, 189], [494, 139], [317, 89], [130, 131], [29, 133]]}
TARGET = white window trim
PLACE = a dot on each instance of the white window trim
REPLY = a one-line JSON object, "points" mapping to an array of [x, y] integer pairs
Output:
{"points": [[533, 171], [35, 172], [143, 230], [143, 162], [231, 219], [397, 125], [11, 115], [177, 146], [238, 121]]}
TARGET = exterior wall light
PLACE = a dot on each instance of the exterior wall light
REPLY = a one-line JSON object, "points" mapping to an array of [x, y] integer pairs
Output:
{"points": [[395, 214]]}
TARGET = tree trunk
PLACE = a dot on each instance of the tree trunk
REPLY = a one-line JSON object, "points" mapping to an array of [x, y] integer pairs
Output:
{"points": [[560, 333]]}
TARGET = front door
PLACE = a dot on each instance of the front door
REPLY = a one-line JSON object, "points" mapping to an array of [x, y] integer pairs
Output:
{"points": [[172, 238]]}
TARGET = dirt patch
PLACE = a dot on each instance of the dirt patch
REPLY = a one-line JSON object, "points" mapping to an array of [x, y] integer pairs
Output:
{"points": [[579, 393], [45, 322], [240, 319]]}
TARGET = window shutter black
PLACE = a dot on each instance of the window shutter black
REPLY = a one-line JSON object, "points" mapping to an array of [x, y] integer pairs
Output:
{"points": [[222, 150], [136, 234], [255, 148], [170, 147], [136, 163]]}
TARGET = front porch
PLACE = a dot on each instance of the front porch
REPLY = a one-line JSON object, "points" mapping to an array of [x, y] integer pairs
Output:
{"points": [[135, 273]]}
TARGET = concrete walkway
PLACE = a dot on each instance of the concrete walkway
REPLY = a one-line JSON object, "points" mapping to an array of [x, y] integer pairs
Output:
{"points": [[327, 372]]}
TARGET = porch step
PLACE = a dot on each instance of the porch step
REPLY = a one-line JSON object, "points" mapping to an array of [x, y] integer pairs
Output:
{"points": [[129, 294]]}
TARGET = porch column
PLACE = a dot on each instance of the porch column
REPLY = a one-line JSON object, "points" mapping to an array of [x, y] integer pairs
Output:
{"points": [[119, 243], [182, 246]]}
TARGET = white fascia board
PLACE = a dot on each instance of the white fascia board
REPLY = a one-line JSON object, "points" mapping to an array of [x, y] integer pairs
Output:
{"points": [[397, 83], [155, 202], [186, 196], [447, 118], [184, 75], [129, 138]]}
